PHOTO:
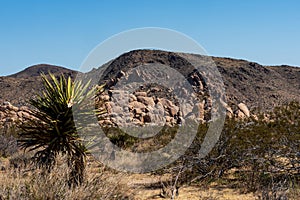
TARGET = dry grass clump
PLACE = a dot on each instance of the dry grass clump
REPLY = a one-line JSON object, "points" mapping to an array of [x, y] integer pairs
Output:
{"points": [[19, 184]]}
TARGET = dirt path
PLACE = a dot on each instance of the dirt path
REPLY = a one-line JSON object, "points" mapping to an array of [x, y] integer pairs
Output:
{"points": [[147, 187]]}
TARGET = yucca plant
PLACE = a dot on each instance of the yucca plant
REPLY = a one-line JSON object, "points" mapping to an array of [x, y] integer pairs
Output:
{"points": [[52, 129]]}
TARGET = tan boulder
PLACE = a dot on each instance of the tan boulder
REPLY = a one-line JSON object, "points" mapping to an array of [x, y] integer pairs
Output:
{"points": [[240, 114], [137, 111], [141, 94], [165, 102], [108, 107], [136, 104], [132, 97], [148, 101], [255, 117], [25, 115], [106, 122], [199, 110], [169, 119], [20, 114], [2, 115], [13, 118], [244, 109], [229, 111], [173, 110], [104, 97], [12, 108], [23, 108]]}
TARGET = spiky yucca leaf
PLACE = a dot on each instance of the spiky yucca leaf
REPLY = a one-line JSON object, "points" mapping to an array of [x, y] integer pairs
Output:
{"points": [[53, 131]]}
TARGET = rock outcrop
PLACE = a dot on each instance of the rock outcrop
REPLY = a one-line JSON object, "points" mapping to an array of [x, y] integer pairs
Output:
{"points": [[11, 115], [138, 109]]}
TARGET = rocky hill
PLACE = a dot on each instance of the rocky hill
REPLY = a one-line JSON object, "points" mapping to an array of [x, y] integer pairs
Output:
{"points": [[257, 86], [247, 84]]}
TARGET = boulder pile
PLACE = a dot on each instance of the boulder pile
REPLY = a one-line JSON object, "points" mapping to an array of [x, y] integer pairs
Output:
{"points": [[140, 108], [13, 114], [137, 109]]}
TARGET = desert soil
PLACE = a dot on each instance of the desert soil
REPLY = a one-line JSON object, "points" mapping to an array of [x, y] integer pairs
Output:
{"points": [[146, 187]]}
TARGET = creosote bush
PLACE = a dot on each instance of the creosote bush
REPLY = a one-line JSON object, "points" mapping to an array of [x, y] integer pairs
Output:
{"points": [[8, 145], [263, 155]]}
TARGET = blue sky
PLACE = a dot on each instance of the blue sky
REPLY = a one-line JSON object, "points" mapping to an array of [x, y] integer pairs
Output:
{"points": [[64, 32]]}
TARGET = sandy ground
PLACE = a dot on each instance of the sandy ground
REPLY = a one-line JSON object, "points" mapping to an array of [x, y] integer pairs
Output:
{"points": [[146, 186]]}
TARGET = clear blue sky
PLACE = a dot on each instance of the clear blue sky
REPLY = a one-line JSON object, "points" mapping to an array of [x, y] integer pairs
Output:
{"points": [[64, 32]]}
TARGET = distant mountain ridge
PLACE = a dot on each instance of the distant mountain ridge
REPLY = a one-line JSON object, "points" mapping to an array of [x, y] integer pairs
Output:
{"points": [[256, 85], [20, 87], [36, 70]]}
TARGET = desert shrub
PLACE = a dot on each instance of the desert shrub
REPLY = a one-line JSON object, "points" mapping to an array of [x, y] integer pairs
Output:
{"points": [[9, 128], [262, 154], [127, 141], [8, 145], [119, 137]]}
